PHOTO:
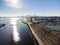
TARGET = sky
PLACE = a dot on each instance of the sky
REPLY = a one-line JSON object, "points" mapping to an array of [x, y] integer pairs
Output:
{"points": [[29, 7]]}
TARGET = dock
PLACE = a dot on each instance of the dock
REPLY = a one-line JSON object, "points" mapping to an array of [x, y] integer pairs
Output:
{"points": [[44, 36]]}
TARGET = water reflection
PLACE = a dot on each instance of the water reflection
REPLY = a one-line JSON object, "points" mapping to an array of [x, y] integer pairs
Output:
{"points": [[13, 21]]}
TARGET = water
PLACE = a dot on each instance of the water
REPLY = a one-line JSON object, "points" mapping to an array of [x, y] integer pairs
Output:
{"points": [[53, 27], [16, 32]]}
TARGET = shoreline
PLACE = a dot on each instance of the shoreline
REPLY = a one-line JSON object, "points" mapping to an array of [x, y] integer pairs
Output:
{"points": [[31, 34], [36, 36]]}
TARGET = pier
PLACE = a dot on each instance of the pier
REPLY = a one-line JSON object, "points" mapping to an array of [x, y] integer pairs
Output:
{"points": [[44, 36]]}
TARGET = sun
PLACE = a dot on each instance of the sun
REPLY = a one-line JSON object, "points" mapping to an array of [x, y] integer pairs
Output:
{"points": [[14, 3]]}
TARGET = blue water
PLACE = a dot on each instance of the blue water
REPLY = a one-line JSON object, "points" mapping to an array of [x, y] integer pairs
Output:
{"points": [[6, 35], [53, 27]]}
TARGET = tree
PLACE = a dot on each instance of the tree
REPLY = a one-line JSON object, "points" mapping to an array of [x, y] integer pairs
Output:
{"points": [[26, 20]]}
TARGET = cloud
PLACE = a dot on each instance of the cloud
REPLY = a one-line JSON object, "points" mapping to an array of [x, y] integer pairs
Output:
{"points": [[14, 3]]}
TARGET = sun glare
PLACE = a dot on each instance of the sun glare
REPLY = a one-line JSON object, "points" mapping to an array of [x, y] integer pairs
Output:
{"points": [[13, 3], [16, 36]]}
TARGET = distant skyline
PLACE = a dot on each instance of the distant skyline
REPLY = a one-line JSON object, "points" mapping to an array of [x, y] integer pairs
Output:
{"points": [[29, 7]]}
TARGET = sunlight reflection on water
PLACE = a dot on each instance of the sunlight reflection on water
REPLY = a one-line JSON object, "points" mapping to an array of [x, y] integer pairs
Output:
{"points": [[16, 37]]}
